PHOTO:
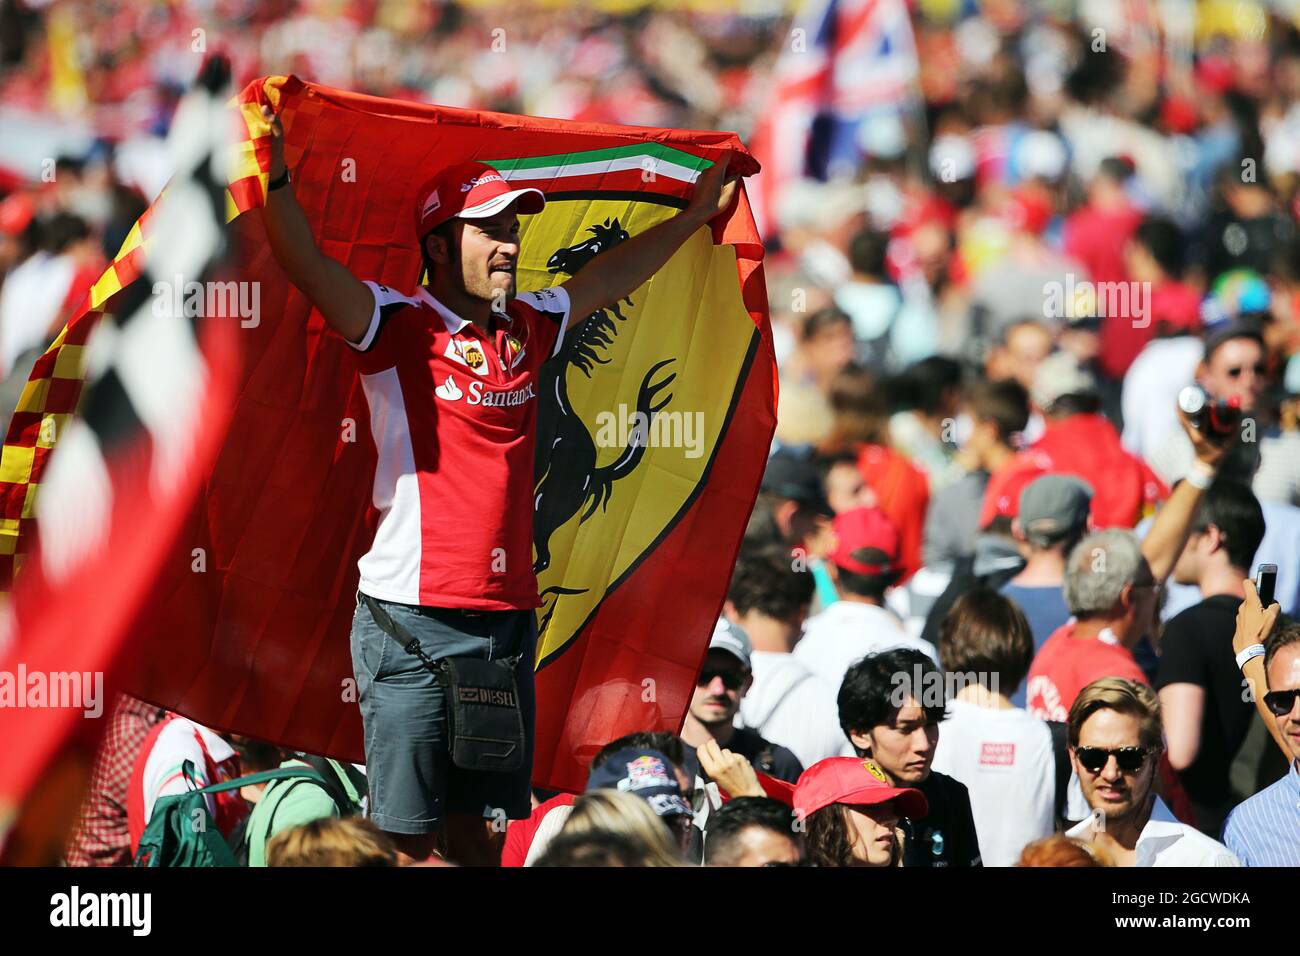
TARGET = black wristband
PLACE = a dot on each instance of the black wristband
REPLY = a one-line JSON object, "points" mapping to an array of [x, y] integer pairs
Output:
{"points": [[279, 181]]}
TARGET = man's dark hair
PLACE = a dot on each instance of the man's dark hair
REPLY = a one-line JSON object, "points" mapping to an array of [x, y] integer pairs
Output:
{"points": [[924, 385], [986, 634], [824, 319], [446, 231], [1160, 237], [825, 462], [62, 230], [765, 580], [1118, 169], [1238, 330], [1231, 506], [866, 698], [867, 252], [872, 586], [1076, 403], [1284, 634], [1004, 403], [595, 848], [721, 843], [668, 744], [762, 530]]}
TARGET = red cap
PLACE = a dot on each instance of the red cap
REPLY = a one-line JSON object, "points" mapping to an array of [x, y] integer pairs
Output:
{"points": [[1006, 500], [853, 780], [1177, 306], [1179, 114], [1030, 210], [865, 529], [15, 213], [469, 191]]}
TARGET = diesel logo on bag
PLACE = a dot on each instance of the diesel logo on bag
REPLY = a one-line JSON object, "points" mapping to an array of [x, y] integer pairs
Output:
{"points": [[486, 695]]}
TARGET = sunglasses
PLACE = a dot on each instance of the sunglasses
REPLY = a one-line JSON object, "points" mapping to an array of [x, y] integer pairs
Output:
{"points": [[1129, 759], [1281, 702], [730, 679], [1236, 370]]}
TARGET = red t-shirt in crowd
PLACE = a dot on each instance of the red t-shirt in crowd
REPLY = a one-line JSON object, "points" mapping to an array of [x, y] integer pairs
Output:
{"points": [[453, 412], [1087, 446], [1096, 237], [520, 833], [903, 493], [1066, 665]]}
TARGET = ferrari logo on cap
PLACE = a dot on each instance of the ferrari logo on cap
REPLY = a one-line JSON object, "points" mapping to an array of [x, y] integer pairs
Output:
{"points": [[875, 771]]}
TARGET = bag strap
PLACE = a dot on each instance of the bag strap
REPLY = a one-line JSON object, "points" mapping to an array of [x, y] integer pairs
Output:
{"points": [[265, 776], [1060, 751], [410, 643]]}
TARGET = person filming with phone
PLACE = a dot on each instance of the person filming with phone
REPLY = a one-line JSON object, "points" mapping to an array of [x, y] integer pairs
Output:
{"points": [[1265, 830]]}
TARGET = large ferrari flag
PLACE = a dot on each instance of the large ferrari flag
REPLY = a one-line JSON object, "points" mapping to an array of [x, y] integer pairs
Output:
{"points": [[654, 424]]}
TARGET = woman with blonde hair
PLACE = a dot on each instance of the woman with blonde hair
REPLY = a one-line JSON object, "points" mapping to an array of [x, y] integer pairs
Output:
{"points": [[611, 812], [331, 841]]}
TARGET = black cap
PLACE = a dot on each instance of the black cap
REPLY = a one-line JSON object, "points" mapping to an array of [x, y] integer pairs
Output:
{"points": [[1227, 331], [790, 475]]}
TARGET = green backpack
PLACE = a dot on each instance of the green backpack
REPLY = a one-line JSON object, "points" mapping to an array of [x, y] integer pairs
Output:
{"points": [[181, 832]]}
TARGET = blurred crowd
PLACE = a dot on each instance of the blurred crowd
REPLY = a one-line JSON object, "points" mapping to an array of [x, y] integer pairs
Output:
{"points": [[985, 325]]}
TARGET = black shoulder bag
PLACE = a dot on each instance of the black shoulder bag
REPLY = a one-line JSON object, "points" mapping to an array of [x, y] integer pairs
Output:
{"points": [[487, 728]]}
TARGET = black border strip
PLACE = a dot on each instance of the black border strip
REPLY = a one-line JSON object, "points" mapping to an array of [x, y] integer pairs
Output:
{"points": [[631, 195]]}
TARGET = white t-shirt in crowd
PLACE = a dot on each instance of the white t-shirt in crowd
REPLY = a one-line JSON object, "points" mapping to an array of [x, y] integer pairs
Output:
{"points": [[790, 706], [848, 631], [176, 743], [1166, 842], [1151, 386], [1004, 757]]}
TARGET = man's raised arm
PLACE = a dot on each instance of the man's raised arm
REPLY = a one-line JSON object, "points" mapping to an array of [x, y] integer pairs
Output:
{"points": [[1169, 531], [346, 303], [617, 273]]}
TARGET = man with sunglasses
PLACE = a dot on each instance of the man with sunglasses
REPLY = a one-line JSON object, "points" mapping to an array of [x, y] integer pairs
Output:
{"points": [[1265, 830], [719, 688], [1115, 740]]}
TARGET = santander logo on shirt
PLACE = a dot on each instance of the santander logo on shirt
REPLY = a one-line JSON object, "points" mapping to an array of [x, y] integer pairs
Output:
{"points": [[449, 391]]}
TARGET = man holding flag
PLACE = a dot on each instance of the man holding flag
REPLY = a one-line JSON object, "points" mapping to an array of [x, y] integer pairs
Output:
{"points": [[450, 374]]}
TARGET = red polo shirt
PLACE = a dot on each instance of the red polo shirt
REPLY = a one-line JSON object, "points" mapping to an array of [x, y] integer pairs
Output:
{"points": [[1066, 665], [453, 413]]}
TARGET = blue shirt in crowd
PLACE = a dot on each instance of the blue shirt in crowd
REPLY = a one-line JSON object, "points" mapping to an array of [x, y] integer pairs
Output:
{"points": [[1265, 830], [1045, 610]]}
